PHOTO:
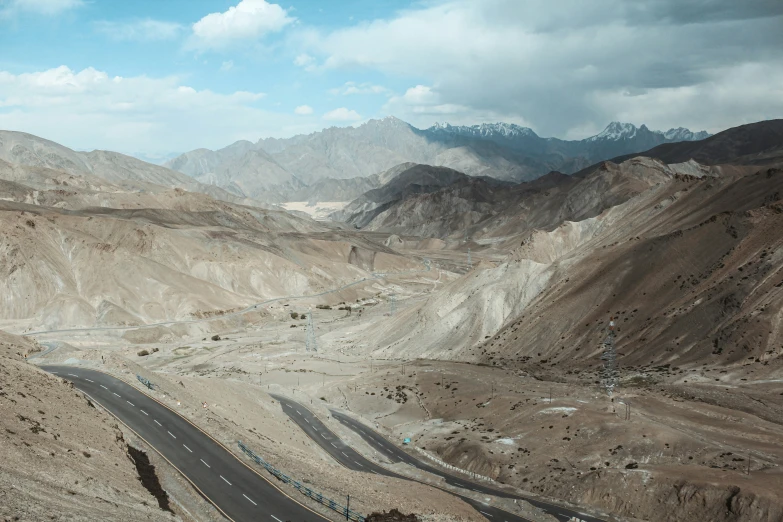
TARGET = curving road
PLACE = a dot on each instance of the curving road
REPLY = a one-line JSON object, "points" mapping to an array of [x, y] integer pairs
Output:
{"points": [[351, 459], [233, 488], [395, 454]]}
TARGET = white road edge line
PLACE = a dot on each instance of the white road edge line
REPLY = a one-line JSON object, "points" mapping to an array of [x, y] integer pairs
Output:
{"points": [[129, 402], [145, 413], [171, 434], [226, 481], [251, 500], [207, 465], [158, 423], [190, 450], [278, 520]]}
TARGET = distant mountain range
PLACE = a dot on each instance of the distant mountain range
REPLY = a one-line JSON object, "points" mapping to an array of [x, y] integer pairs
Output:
{"points": [[276, 170]]}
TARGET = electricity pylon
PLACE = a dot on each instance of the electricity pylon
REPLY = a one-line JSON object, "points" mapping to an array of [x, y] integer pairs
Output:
{"points": [[609, 372]]}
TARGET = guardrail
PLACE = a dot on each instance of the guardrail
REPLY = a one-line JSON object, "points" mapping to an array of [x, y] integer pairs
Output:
{"points": [[145, 382], [348, 513]]}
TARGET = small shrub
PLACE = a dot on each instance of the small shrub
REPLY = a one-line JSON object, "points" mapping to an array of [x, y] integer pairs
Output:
{"points": [[215, 337], [86, 454], [294, 315], [143, 353]]}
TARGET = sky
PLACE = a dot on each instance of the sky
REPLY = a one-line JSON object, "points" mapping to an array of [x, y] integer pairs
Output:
{"points": [[154, 77]]}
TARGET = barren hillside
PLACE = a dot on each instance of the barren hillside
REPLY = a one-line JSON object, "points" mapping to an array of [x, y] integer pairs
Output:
{"points": [[60, 456]]}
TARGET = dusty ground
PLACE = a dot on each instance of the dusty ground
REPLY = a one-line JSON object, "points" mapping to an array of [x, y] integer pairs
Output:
{"points": [[688, 438]]}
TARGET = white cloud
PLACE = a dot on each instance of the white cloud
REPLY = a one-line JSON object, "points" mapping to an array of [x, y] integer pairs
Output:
{"points": [[342, 114], [146, 30], [44, 7], [305, 61], [551, 62], [423, 105], [227, 65], [91, 109], [361, 88], [248, 20], [303, 110]]}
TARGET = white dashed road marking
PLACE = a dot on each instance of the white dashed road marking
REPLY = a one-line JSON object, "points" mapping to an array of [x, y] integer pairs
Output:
{"points": [[158, 423], [145, 413], [251, 501], [227, 482], [485, 513], [278, 520], [104, 387], [322, 435], [72, 375], [299, 412], [359, 464], [207, 465], [116, 394], [88, 380], [346, 456], [171, 434], [190, 450], [129, 402], [332, 443]]}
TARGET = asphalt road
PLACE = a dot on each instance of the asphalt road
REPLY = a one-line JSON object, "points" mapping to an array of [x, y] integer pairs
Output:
{"points": [[351, 459], [235, 489], [396, 454]]}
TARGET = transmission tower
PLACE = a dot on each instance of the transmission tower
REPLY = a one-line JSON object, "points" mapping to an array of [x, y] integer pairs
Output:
{"points": [[609, 373], [310, 342], [392, 304]]}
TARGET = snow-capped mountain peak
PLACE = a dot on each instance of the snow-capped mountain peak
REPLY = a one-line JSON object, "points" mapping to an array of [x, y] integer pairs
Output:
{"points": [[485, 130], [683, 134], [616, 131]]}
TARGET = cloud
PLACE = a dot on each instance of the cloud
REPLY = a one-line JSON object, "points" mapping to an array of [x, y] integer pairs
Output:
{"points": [[303, 110], [248, 20], [146, 30], [342, 114], [362, 88], [556, 63], [424, 104], [43, 7], [227, 65], [91, 109], [305, 61]]}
